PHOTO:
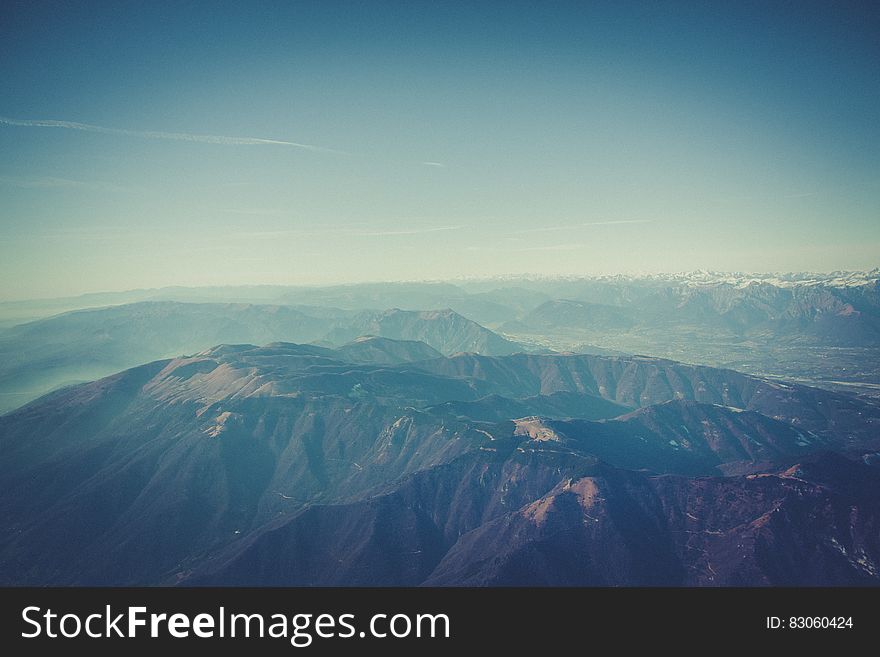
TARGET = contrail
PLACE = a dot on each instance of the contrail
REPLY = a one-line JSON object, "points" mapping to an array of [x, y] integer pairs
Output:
{"points": [[172, 136], [616, 222], [346, 231], [408, 231]]}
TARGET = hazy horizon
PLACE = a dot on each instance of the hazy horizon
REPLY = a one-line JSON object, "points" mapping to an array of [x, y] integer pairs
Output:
{"points": [[157, 145], [500, 279]]}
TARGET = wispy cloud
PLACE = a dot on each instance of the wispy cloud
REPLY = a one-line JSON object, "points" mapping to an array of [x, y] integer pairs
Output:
{"points": [[48, 182], [803, 195], [109, 233], [568, 246], [408, 231], [434, 164], [271, 234], [340, 230], [256, 212], [216, 248], [553, 247], [617, 222], [546, 229], [172, 136]]}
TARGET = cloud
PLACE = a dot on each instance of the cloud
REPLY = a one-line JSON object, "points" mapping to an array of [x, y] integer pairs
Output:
{"points": [[172, 136], [257, 212], [271, 234], [546, 229], [616, 222], [434, 164], [553, 247], [96, 233], [804, 195], [568, 246], [216, 248], [47, 182], [409, 231], [342, 230]]}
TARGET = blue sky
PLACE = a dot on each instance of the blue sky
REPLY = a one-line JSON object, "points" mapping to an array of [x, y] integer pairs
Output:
{"points": [[150, 144]]}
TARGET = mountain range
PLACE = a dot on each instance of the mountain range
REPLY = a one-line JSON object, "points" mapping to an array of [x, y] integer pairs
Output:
{"points": [[819, 329], [385, 462], [83, 345], [466, 433]]}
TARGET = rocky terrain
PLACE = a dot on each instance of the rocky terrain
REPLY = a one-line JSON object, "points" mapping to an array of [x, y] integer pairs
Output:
{"points": [[370, 464]]}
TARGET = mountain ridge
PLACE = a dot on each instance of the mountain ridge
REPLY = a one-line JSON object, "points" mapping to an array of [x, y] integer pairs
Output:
{"points": [[161, 473], [88, 344]]}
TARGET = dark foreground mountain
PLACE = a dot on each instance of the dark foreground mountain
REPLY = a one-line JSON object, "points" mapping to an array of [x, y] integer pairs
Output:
{"points": [[482, 521], [299, 464], [812, 524]]}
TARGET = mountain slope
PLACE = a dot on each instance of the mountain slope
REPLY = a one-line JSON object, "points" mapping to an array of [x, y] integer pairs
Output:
{"points": [[202, 469], [495, 408], [789, 528], [374, 349], [483, 520], [444, 330], [396, 538], [641, 381], [87, 344], [683, 437], [155, 466]]}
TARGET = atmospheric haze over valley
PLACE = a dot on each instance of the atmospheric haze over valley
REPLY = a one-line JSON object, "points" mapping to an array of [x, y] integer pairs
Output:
{"points": [[458, 294]]}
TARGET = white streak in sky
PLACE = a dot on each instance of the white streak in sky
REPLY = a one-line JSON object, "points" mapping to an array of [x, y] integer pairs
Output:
{"points": [[412, 231], [618, 222], [47, 182], [256, 212], [546, 229], [434, 164], [271, 234], [172, 136], [524, 249], [553, 247]]}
